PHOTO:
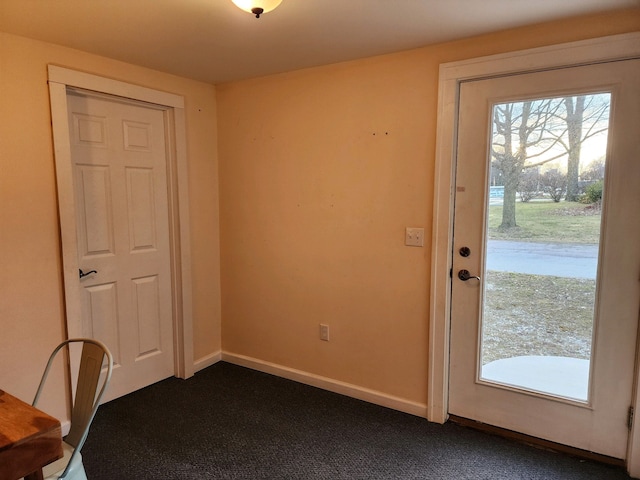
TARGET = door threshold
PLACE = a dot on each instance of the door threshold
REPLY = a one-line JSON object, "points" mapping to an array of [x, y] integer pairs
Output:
{"points": [[537, 442]]}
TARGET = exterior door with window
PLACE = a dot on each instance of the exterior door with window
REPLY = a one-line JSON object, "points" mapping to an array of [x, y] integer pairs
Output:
{"points": [[545, 287]]}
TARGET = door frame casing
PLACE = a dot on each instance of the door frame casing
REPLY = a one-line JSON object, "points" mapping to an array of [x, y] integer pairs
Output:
{"points": [[598, 50], [60, 81]]}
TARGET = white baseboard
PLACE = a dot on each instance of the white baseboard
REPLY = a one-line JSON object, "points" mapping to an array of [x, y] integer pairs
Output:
{"points": [[207, 361], [354, 391], [66, 426]]}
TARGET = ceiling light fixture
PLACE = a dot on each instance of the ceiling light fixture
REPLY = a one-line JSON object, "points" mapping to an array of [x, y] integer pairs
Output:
{"points": [[257, 7]]}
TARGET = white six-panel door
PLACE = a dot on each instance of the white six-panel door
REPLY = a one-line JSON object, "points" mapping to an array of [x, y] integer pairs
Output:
{"points": [[118, 152]]}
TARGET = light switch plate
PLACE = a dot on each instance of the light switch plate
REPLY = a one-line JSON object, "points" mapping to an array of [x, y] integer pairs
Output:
{"points": [[414, 237]]}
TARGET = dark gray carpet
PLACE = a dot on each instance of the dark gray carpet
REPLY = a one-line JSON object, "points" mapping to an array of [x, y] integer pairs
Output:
{"points": [[229, 422]]}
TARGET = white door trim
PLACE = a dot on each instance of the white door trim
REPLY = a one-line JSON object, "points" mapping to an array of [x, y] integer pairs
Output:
{"points": [[60, 79], [596, 50]]}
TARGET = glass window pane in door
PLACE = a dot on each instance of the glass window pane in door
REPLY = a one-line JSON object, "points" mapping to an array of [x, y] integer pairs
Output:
{"points": [[544, 204]]}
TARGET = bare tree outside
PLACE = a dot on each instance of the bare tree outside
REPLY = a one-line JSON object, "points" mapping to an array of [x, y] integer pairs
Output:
{"points": [[518, 129], [529, 185], [594, 171], [586, 116], [532, 133], [554, 184]]}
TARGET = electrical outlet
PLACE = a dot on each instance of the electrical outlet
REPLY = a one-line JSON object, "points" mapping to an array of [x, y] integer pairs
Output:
{"points": [[324, 332], [414, 237]]}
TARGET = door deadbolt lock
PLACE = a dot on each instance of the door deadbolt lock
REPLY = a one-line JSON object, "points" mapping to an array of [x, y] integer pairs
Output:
{"points": [[465, 251]]}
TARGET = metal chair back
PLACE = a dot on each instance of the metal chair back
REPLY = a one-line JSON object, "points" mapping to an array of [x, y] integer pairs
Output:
{"points": [[87, 397]]}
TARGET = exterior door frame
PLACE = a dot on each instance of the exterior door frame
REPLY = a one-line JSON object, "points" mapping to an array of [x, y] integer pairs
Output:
{"points": [[598, 50], [60, 81]]}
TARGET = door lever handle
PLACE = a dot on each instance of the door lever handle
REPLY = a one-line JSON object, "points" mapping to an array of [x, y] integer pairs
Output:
{"points": [[464, 275], [83, 274]]}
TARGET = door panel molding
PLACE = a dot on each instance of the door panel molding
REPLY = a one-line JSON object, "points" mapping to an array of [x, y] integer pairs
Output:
{"points": [[618, 47], [60, 81]]}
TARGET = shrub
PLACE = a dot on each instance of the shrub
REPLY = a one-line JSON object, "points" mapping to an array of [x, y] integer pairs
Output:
{"points": [[528, 185], [555, 184], [593, 192]]}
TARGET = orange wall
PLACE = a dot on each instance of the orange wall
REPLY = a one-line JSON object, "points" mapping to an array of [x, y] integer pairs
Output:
{"points": [[31, 294], [320, 172]]}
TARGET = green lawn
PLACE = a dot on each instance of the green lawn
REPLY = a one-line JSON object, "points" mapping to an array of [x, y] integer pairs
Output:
{"points": [[547, 221]]}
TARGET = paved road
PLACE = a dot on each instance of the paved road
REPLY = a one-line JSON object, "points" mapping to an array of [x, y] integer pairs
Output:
{"points": [[561, 260]]}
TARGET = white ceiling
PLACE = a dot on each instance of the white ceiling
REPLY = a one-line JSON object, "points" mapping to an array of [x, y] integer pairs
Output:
{"points": [[214, 41]]}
